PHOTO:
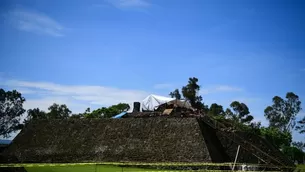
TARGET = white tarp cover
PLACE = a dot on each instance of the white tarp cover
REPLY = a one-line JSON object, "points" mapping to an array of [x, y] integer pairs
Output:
{"points": [[152, 101]]}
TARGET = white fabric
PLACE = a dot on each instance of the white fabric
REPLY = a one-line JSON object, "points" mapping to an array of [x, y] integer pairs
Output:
{"points": [[152, 101]]}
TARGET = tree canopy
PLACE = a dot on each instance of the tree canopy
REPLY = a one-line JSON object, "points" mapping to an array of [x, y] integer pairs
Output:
{"points": [[108, 112], [216, 110], [282, 113], [175, 94], [56, 111], [11, 110], [190, 92], [36, 113], [59, 111], [240, 113], [277, 137], [294, 153]]}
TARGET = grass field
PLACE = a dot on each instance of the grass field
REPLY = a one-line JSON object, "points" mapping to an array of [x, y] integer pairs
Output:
{"points": [[86, 168], [110, 168], [301, 167]]}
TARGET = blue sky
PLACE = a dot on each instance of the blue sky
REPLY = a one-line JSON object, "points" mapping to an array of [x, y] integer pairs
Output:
{"points": [[99, 52]]}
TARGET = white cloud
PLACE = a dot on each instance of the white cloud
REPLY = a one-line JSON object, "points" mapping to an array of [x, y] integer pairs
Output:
{"points": [[219, 88], [34, 22], [76, 97], [129, 3]]}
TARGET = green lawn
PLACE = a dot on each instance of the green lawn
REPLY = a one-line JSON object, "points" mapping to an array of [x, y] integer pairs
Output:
{"points": [[301, 167], [107, 168], [112, 168], [86, 168], [99, 168]]}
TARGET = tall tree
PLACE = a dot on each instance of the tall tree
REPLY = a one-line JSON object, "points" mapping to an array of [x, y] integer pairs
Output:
{"points": [[175, 94], [240, 113], [282, 113], [11, 109], [59, 111], [191, 93], [216, 110]]}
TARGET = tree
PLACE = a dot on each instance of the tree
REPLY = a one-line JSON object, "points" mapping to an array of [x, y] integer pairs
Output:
{"points": [[299, 145], [175, 94], [11, 109], [254, 127], [293, 153], [240, 113], [277, 137], [108, 112], [58, 111], [301, 126], [81, 115], [35, 113], [191, 93], [98, 113], [216, 110], [121, 107], [283, 112]]}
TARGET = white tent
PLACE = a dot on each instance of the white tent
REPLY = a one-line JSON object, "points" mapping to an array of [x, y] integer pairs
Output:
{"points": [[152, 101]]}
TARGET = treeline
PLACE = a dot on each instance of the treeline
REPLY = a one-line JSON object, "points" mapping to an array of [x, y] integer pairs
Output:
{"points": [[11, 112], [57, 111], [281, 115]]}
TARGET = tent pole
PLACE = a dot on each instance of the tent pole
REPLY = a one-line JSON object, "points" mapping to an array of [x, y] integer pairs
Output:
{"points": [[236, 157]]}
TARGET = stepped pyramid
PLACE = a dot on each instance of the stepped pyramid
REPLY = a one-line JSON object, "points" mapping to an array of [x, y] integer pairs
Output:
{"points": [[155, 139]]}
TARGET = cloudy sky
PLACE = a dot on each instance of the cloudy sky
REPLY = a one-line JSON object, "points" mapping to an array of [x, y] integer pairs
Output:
{"points": [[100, 52]]}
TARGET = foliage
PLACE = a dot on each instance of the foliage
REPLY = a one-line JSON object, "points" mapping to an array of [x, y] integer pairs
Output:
{"points": [[255, 127], [240, 113], [81, 115], [294, 153], [56, 111], [59, 111], [11, 109], [190, 93], [35, 113], [108, 112], [277, 137], [283, 112], [175, 94], [299, 145], [301, 126], [216, 110]]}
